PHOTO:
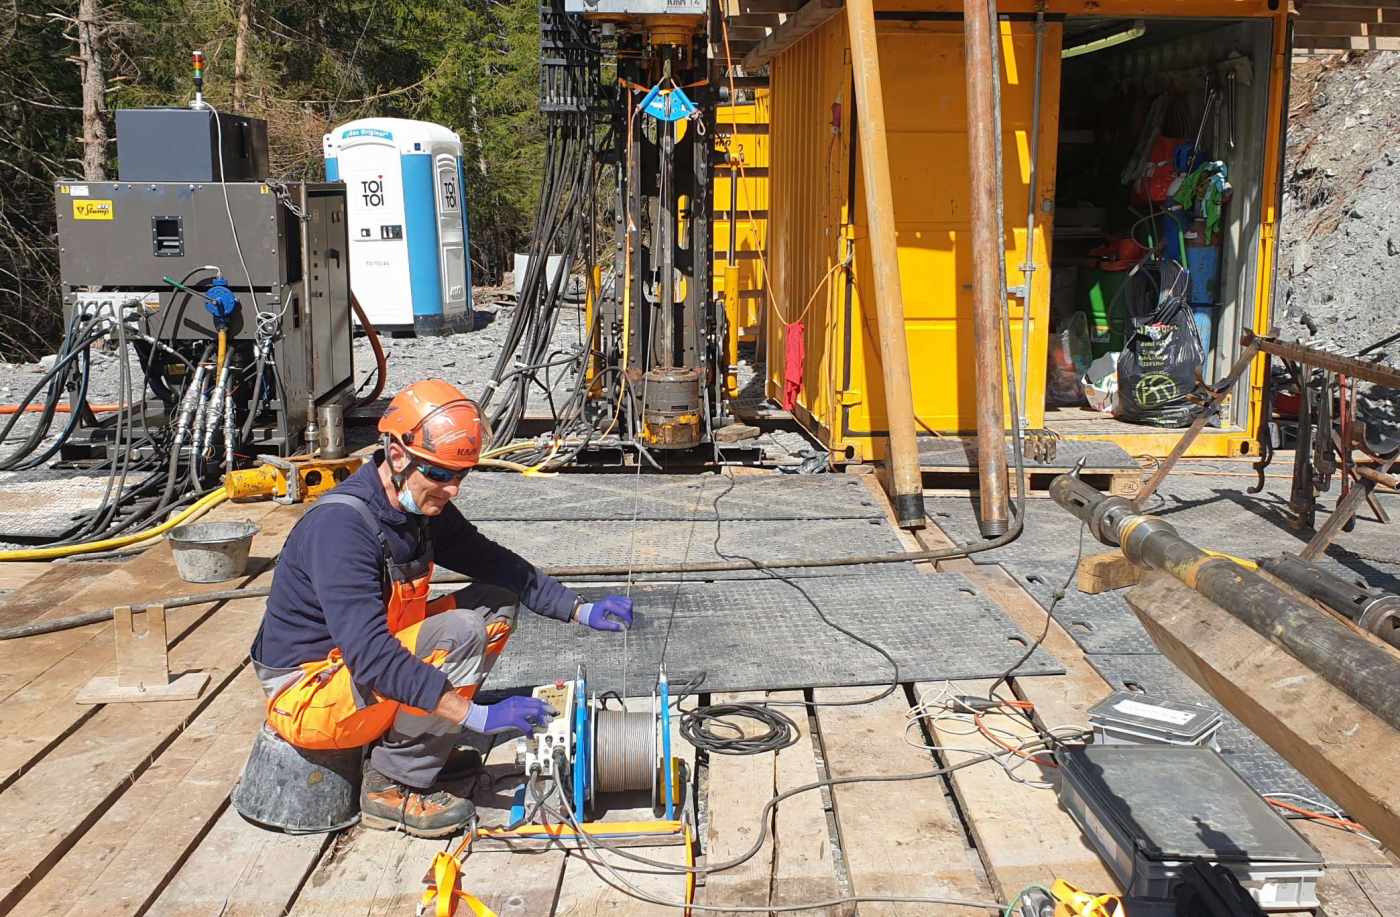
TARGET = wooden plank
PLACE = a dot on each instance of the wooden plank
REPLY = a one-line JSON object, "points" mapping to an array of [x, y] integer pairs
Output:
{"points": [[899, 838], [800, 868], [1106, 572], [107, 749], [241, 870], [51, 591], [17, 574], [1340, 746], [1000, 811], [1381, 887], [1351, 44], [47, 672], [1342, 896], [120, 863], [150, 576], [586, 890], [381, 872]]}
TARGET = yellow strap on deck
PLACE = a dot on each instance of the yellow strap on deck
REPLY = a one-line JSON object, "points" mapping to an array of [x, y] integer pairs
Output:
{"points": [[443, 894]]}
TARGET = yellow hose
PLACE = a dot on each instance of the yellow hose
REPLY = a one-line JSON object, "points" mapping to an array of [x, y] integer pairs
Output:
{"points": [[202, 505], [223, 352]]}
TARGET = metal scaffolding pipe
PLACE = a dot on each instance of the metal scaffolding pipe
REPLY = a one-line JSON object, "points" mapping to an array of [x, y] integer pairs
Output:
{"points": [[905, 478], [988, 256], [1368, 673]]}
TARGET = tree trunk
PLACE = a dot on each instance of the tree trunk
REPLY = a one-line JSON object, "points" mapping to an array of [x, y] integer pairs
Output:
{"points": [[90, 66], [240, 52]]}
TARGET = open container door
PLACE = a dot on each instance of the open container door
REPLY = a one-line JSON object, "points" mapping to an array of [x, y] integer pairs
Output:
{"points": [[1150, 93]]}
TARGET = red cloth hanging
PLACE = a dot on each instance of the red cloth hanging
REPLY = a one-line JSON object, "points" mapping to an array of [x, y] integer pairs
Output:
{"points": [[796, 357]]}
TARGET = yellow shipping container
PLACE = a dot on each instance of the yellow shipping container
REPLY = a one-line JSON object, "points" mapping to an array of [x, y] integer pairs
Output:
{"points": [[818, 253]]}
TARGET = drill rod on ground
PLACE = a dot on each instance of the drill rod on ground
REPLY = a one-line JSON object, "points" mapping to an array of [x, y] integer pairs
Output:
{"points": [[1373, 611], [1368, 673]]}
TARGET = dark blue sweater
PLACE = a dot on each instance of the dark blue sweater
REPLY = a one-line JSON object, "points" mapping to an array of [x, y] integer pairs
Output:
{"points": [[327, 590]]}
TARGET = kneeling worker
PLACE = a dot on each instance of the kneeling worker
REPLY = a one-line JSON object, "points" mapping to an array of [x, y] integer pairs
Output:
{"points": [[352, 652]]}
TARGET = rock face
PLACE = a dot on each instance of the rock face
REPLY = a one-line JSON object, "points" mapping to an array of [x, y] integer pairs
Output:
{"points": [[1339, 256]]}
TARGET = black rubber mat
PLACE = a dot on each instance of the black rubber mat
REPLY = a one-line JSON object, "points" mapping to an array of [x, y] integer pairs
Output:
{"points": [[553, 542], [506, 497], [1255, 761], [763, 635]]}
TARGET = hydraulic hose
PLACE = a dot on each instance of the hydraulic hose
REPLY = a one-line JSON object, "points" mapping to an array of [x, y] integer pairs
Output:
{"points": [[205, 503], [8, 409], [381, 362]]}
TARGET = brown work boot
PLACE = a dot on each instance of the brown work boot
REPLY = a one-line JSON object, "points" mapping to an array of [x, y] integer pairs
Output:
{"points": [[390, 806]]}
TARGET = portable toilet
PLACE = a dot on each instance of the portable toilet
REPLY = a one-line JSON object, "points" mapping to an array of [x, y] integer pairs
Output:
{"points": [[405, 188]]}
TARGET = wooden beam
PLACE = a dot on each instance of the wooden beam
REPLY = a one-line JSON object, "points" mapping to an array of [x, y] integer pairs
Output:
{"points": [[1342, 747], [796, 27], [1106, 572], [754, 20]]}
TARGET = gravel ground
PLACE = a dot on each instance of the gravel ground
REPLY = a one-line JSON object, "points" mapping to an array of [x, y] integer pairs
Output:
{"points": [[1340, 238]]}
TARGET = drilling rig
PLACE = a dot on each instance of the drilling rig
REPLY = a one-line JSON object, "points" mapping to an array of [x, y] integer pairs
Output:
{"points": [[626, 92]]}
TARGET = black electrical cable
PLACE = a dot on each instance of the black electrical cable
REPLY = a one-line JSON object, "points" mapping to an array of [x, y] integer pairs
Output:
{"points": [[712, 729]]}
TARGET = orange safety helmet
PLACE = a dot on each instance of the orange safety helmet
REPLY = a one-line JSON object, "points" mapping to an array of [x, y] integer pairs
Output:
{"points": [[437, 423]]}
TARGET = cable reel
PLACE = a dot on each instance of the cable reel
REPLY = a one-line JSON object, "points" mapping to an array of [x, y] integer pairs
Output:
{"points": [[596, 750]]}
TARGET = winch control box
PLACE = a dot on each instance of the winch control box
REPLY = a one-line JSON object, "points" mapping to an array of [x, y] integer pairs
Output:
{"points": [[537, 753]]}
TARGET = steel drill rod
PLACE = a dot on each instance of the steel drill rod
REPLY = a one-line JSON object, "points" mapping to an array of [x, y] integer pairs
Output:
{"points": [[988, 255], [1368, 673], [1373, 610], [1332, 362]]}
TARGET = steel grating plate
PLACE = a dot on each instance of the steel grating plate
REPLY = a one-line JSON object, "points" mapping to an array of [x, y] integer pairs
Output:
{"points": [[751, 635], [552, 543], [507, 497], [950, 451], [1102, 623], [1248, 754]]}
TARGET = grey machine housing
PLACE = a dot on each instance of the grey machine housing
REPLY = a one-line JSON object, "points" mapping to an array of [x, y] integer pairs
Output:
{"points": [[287, 260]]}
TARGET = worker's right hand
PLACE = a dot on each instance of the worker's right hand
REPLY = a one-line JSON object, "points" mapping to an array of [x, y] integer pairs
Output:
{"points": [[521, 714]]}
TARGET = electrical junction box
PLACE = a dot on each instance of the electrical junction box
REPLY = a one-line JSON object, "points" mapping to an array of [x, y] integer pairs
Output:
{"points": [[1128, 718], [184, 144], [1149, 810], [409, 248]]}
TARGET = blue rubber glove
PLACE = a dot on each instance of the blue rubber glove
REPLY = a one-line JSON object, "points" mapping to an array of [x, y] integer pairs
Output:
{"points": [[521, 714], [611, 612]]}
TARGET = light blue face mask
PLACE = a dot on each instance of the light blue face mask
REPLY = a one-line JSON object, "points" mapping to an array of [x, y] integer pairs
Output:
{"points": [[407, 503]]}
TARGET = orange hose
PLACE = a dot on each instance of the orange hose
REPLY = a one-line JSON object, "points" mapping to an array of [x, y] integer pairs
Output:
{"points": [[6, 409], [381, 361], [1345, 823]]}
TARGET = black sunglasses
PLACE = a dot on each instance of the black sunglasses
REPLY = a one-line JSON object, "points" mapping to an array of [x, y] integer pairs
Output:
{"points": [[440, 475]]}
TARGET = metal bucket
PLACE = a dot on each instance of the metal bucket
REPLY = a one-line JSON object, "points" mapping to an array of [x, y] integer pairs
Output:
{"points": [[211, 552]]}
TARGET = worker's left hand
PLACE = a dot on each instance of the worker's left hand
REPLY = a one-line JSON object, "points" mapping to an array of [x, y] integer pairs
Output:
{"points": [[611, 612]]}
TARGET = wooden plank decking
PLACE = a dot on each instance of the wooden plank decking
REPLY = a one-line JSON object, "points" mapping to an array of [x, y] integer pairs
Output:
{"points": [[123, 809]]}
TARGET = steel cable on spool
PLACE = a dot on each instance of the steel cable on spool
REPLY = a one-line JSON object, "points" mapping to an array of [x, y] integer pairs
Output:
{"points": [[624, 751]]}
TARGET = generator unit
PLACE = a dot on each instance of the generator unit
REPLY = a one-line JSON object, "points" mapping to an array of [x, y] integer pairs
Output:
{"points": [[245, 284], [407, 210]]}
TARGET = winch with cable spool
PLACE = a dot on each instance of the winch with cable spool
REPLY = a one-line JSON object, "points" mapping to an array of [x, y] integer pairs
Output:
{"points": [[597, 750]]}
